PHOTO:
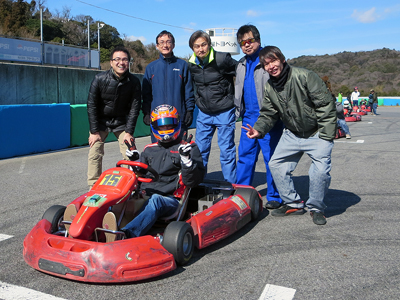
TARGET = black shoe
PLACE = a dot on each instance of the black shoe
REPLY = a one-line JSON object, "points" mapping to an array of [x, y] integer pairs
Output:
{"points": [[286, 210], [273, 204], [126, 233], [318, 217]]}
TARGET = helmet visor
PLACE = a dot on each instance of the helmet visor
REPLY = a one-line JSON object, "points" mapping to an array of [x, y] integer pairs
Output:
{"points": [[173, 122]]}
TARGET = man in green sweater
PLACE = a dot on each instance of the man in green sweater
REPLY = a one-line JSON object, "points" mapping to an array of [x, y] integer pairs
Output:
{"points": [[301, 100]]}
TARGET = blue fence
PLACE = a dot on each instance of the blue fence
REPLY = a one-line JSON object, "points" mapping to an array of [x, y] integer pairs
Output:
{"points": [[28, 129]]}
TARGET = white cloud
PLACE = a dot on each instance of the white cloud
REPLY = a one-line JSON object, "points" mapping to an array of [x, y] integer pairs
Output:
{"points": [[368, 16], [135, 38], [252, 13]]}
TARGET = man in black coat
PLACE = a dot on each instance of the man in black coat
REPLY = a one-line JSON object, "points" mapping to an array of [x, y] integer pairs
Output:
{"points": [[113, 106]]}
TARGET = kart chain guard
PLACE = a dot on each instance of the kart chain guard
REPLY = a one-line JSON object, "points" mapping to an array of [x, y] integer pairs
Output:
{"points": [[58, 268]]}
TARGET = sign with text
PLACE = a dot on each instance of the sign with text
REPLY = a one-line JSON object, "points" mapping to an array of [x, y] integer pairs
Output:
{"points": [[19, 50], [67, 56]]}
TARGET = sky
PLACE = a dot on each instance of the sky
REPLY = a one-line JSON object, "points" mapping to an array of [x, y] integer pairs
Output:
{"points": [[297, 27]]}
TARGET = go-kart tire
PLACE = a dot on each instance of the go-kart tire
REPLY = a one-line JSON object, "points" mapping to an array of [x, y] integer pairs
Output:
{"points": [[252, 199], [178, 240], [54, 214]]}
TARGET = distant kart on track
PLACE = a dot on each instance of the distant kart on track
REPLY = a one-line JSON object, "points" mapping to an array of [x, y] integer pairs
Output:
{"points": [[350, 116]]}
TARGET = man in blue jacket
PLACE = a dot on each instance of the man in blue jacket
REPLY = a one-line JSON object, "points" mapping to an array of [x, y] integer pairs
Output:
{"points": [[249, 93], [167, 80]]}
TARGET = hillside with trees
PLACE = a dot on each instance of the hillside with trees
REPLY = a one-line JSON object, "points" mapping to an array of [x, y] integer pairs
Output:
{"points": [[21, 19], [378, 69]]}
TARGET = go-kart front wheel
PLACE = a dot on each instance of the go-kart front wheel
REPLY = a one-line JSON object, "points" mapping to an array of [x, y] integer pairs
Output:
{"points": [[54, 214], [178, 240]]}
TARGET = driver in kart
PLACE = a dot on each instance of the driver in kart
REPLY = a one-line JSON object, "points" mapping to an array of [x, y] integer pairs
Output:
{"points": [[169, 156]]}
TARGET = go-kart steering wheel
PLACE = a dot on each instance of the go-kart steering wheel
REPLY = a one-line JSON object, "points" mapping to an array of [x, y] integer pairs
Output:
{"points": [[140, 170]]}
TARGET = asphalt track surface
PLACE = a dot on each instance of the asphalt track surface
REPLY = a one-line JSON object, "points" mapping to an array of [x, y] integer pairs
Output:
{"points": [[354, 256]]}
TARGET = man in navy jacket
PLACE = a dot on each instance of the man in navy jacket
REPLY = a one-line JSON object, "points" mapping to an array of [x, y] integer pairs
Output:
{"points": [[167, 80]]}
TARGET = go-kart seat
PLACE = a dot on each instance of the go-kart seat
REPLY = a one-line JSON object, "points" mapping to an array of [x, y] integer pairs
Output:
{"points": [[181, 209], [182, 193]]}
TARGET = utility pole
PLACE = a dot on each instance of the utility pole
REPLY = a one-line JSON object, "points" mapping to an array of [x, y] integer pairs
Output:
{"points": [[99, 26], [41, 35], [88, 41]]}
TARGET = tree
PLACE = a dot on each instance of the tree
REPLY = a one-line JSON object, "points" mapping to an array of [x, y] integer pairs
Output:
{"points": [[152, 53], [74, 33], [109, 36], [5, 9], [51, 30], [345, 90], [14, 15]]}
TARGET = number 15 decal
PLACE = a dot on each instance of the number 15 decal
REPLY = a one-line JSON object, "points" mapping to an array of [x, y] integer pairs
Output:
{"points": [[111, 180]]}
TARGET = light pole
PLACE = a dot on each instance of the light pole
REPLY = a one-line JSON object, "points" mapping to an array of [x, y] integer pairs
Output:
{"points": [[99, 26], [88, 43]]}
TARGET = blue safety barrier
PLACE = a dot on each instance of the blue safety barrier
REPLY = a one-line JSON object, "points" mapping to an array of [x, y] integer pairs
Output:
{"points": [[28, 129]]}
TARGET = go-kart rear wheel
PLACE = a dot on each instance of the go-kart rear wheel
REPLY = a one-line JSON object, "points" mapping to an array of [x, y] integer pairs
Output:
{"points": [[253, 200], [54, 214], [178, 240]]}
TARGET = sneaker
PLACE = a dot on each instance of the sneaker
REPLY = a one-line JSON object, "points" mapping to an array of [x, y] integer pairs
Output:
{"points": [[69, 215], [286, 210], [273, 204], [110, 223], [318, 217], [348, 136]]}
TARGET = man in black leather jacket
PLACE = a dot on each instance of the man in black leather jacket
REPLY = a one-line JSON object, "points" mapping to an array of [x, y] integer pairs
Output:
{"points": [[113, 106]]}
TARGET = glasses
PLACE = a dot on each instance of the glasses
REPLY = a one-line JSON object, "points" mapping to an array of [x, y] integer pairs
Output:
{"points": [[119, 59], [249, 41], [197, 46], [162, 43]]}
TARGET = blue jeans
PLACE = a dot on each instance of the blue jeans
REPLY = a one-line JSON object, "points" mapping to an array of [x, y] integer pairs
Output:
{"points": [[205, 128], [374, 107], [342, 124], [155, 207], [285, 159], [249, 150]]}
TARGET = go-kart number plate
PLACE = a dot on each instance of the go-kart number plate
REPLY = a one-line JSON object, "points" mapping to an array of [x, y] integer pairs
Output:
{"points": [[59, 268], [239, 202], [111, 180]]}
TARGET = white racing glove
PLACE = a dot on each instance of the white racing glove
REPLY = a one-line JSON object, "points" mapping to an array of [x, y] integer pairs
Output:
{"points": [[133, 154], [184, 151]]}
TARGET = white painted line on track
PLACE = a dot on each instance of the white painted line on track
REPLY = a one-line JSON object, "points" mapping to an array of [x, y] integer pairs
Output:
{"points": [[5, 237], [275, 292], [22, 166], [14, 292], [356, 142]]}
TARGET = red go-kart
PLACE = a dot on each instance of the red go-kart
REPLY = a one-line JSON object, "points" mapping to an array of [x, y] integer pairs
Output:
{"points": [[349, 116], [358, 111], [366, 108], [77, 249]]}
